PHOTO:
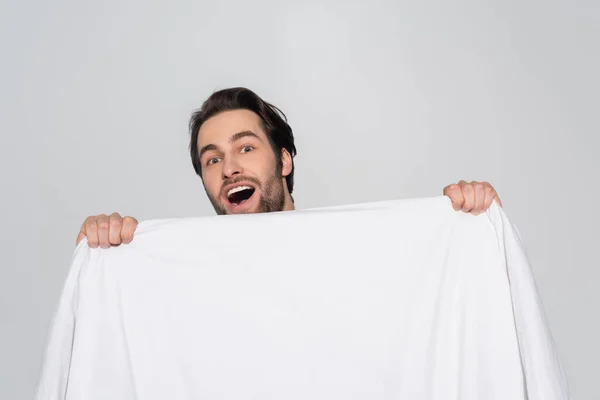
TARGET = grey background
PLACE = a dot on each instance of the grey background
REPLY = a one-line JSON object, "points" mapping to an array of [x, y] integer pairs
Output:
{"points": [[387, 100]]}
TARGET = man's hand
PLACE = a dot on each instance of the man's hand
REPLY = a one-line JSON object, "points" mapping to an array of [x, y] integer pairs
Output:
{"points": [[106, 231], [473, 197]]}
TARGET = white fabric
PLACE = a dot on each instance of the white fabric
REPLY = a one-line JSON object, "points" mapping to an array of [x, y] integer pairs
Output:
{"points": [[402, 299]]}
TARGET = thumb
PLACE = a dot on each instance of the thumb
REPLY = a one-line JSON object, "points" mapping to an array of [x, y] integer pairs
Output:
{"points": [[497, 200], [80, 236]]}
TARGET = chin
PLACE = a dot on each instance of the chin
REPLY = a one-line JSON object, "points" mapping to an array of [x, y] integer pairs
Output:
{"points": [[235, 211]]}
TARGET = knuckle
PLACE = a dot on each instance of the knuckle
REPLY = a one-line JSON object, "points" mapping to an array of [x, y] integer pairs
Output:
{"points": [[90, 225], [130, 220], [101, 219], [115, 222]]}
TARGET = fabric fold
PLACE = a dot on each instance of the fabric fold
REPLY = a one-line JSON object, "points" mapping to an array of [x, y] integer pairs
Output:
{"points": [[403, 299]]}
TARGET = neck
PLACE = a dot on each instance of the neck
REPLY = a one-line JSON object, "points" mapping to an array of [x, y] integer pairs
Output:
{"points": [[288, 204]]}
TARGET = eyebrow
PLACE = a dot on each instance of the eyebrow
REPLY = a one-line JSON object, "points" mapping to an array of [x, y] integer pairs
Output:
{"points": [[243, 134], [232, 139]]}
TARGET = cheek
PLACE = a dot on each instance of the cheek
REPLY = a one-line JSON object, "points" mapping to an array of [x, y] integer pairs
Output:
{"points": [[261, 165], [212, 183]]}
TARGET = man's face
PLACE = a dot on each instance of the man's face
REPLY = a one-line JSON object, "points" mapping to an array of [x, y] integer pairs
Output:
{"points": [[240, 171]]}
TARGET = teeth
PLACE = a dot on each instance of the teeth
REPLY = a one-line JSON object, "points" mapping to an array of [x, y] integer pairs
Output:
{"points": [[237, 189]]}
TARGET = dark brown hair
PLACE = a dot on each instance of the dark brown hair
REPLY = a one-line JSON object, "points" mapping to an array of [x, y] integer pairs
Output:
{"points": [[274, 123]]}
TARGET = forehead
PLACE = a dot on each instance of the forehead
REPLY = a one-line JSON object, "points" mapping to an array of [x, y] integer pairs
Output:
{"points": [[219, 128]]}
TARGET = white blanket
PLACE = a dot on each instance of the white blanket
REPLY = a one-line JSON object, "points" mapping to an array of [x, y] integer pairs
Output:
{"points": [[393, 300]]}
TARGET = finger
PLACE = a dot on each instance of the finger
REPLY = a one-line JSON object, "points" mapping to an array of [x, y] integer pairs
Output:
{"points": [[115, 223], [91, 231], [129, 226], [455, 194], [103, 223], [490, 195], [469, 195], [479, 194]]}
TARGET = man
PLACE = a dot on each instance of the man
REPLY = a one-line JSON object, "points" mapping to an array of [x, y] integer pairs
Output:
{"points": [[242, 148]]}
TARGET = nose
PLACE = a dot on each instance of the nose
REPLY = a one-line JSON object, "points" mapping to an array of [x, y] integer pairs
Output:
{"points": [[231, 168]]}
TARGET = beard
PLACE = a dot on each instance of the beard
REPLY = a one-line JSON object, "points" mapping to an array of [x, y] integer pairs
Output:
{"points": [[272, 196]]}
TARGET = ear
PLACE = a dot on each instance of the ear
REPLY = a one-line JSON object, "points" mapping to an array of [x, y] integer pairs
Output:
{"points": [[286, 163]]}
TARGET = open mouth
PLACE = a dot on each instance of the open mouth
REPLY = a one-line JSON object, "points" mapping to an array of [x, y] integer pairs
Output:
{"points": [[239, 194]]}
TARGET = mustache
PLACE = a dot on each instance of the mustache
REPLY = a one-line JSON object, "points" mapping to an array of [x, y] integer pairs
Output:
{"points": [[238, 179]]}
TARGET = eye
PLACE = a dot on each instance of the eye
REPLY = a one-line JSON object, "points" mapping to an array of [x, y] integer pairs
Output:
{"points": [[212, 161], [246, 149]]}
